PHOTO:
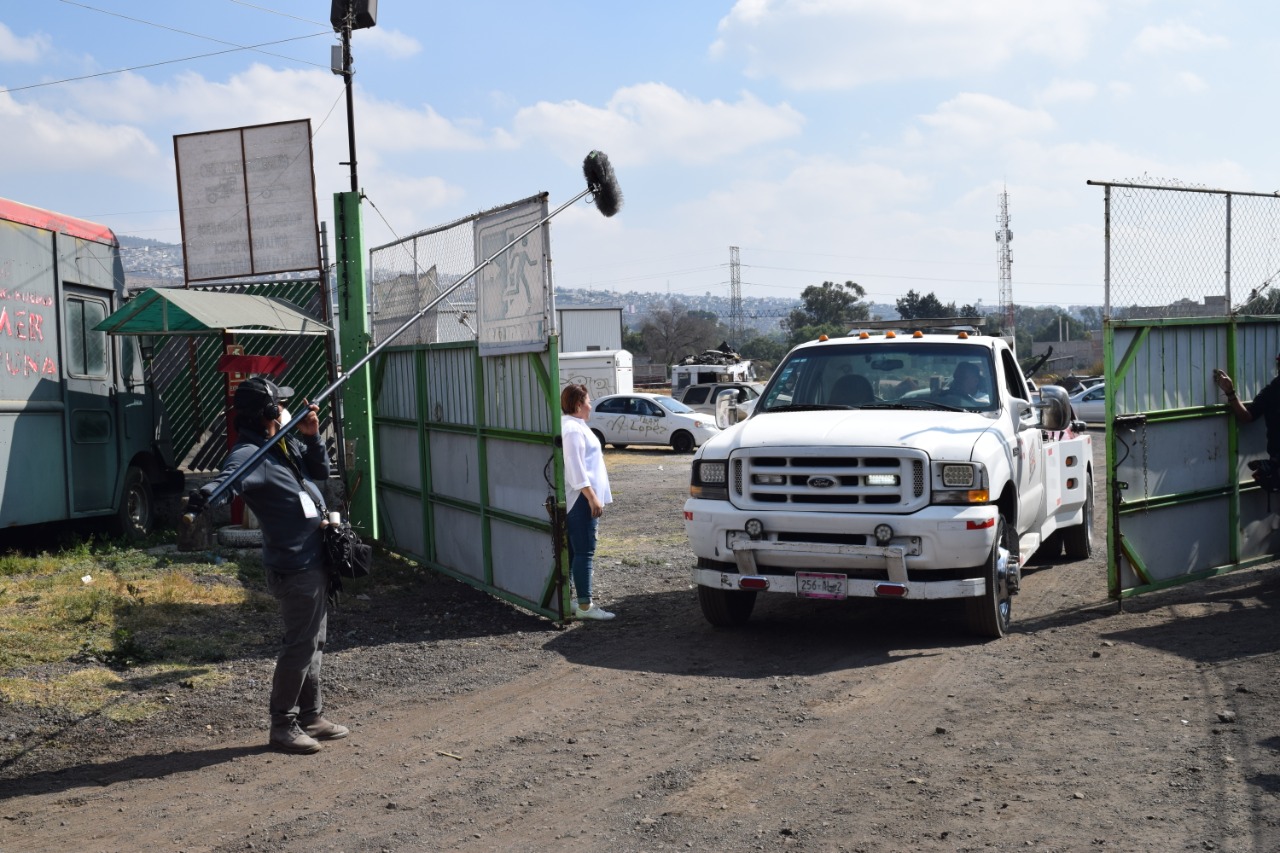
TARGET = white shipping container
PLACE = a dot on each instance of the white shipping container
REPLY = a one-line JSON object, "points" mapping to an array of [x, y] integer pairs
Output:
{"points": [[602, 371]]}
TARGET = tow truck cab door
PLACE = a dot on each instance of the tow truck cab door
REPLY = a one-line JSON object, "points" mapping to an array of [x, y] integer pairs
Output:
{"points": [[1028, 446]]}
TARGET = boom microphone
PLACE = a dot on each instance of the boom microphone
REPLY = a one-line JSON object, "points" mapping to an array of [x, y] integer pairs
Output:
{"points": [[601, 183], [603, 188]]}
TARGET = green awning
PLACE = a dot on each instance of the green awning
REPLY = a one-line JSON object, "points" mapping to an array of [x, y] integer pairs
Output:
{"points": [[177, 311]]}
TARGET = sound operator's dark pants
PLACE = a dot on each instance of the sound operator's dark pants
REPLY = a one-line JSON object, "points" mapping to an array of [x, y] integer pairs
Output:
{"points": [[295, 687]]}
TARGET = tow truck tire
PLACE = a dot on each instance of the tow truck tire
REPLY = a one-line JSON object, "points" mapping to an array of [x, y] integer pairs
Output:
{"points": [[989, 614], [137, 508], [1078, 540], [682, 442], [726, 608]]}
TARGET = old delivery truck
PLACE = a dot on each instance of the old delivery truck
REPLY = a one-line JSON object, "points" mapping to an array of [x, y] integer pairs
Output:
{"points": [[80, 426]]}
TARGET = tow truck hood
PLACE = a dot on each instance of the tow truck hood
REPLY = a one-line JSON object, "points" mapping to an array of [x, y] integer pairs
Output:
{"points": [[941, 434]]}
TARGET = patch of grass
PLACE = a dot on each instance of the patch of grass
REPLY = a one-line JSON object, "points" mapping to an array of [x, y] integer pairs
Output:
{"points": [[621, 545], [98, 690], [134, 607]]}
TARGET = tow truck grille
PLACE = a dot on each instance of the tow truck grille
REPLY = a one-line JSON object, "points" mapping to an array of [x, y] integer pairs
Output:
{"points": [[861, 480]]}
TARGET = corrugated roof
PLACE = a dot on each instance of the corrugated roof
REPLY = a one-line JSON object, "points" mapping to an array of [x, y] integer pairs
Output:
{"points": [[174, 311]]}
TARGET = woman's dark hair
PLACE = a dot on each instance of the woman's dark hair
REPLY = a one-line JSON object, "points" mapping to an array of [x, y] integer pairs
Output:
{"points": [[573, 396]]}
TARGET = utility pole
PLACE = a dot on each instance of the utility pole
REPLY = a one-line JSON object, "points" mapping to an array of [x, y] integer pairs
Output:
{"points": [[353, 407]]}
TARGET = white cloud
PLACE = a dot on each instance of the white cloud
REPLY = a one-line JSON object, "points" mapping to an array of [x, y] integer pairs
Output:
{"points": [[1176, 37], [653, 121], [1059, 91], [14, 48], [834, 44], [1189, 83], [392, 43], [972, 120], [38, 139]]}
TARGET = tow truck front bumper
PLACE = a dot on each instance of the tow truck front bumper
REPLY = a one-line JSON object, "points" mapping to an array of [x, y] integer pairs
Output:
{"points": [[891, 557]]}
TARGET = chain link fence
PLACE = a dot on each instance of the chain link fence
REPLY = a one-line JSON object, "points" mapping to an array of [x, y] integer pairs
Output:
{"points": [[1174, 250], [406, 275]]}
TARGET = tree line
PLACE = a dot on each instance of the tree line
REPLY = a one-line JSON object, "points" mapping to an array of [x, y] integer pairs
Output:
{"points": [[671, 333]]}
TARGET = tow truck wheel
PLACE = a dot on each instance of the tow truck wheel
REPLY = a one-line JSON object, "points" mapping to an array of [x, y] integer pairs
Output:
{"points": [[988, 615], [726, 608], [137, 507], [1078, 540]]}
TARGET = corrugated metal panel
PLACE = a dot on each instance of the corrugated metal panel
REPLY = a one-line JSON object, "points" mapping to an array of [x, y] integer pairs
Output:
{"points": [[514, 398], [589, 328]]}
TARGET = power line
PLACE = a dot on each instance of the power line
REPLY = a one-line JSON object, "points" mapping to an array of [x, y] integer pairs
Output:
{"points": [[13, 89]]}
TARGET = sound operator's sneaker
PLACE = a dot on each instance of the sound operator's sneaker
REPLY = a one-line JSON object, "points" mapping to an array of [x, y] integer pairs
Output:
{"points": [[591, 612]]}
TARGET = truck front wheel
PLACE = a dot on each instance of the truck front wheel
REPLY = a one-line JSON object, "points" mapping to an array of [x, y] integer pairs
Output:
{"points": [[1078, 540], [988, 615], [726, 608], [136, 512]]}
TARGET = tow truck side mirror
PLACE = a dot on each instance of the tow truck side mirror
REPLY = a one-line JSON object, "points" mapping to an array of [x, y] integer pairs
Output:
{"points": [[726, 408]]}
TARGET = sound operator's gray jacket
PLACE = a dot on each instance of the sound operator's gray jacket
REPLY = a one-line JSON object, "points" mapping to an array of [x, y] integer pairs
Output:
{"points": [[290, 540]]}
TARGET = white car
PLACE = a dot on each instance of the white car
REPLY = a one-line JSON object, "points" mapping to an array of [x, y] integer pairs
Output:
{"points": [[1090, 404], [623, 419]]}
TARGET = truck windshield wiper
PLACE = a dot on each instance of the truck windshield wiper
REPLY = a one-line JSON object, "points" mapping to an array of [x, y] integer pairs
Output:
{"points": [[913, 404], [804, 407]]}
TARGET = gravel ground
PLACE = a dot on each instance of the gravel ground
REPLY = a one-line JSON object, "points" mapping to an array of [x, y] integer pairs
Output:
{"points": [[820, 727]]}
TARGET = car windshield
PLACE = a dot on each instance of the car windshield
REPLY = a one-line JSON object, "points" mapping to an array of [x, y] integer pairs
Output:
{"points": [[911, 374], [672, 405]]}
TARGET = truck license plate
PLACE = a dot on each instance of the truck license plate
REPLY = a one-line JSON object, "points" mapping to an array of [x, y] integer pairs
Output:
{"points": [[815, 585]]}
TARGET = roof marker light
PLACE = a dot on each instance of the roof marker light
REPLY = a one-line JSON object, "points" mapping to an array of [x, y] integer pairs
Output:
{"points": [[917, 334], [823, 338], [964, 336], [891, 334], [863, 335]]}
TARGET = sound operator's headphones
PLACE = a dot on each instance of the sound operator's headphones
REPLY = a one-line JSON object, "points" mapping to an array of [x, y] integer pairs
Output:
{"points": [[261, 397]]}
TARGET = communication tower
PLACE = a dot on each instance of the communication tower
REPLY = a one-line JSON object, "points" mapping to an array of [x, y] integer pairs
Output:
{"points": [[1004, 257], [736, 330]]}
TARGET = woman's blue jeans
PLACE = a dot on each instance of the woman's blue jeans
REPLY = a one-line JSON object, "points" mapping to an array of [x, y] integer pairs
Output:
{"points": [[581, 529]]}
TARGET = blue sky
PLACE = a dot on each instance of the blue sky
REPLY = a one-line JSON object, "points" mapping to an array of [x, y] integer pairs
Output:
{"points": [[863, 140]]}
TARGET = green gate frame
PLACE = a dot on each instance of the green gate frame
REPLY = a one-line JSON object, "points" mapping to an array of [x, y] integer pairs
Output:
{"points": [[425, 418], [1134, 400]]}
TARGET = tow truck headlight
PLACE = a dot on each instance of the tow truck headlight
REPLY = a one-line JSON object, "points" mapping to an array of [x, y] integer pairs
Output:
{"points": [[960, 483], [710, 481]]}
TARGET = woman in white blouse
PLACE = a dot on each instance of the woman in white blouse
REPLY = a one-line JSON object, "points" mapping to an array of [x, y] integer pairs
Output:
{"points": [[586, 486]]}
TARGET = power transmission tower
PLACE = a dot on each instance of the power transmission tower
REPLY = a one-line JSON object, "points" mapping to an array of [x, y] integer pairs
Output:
{"points": [[1004, 256], [735, 299]]}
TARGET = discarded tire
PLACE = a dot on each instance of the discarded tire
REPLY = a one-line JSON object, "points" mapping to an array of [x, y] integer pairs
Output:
{"points": [[237, 536]]}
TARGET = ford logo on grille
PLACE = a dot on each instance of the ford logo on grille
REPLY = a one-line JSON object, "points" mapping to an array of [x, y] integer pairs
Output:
{"points": [[821, 482]]}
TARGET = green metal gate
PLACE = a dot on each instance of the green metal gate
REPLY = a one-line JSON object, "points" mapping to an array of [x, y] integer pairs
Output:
{"points": [[1182, 505], [466, 412]]}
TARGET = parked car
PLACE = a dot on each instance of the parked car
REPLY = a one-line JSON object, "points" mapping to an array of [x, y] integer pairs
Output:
{"points": [[1091, 404], [702, 397], [625, 419]]}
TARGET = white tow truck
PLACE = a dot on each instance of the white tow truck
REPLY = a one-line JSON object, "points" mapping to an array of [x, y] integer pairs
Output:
{"points": [[899, 464]]}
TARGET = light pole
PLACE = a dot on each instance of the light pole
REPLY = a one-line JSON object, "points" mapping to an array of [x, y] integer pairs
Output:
{"points": [[348, 15]]}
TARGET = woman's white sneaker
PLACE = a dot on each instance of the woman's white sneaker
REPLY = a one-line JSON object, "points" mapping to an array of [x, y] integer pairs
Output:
{"points": [[591, 612]]}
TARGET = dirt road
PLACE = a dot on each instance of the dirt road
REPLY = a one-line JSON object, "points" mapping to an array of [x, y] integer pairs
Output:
{"points": [[857, 726]]}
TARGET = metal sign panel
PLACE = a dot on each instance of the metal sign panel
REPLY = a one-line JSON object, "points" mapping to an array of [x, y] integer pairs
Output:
{"points": [[247, 201], [514, 291]]}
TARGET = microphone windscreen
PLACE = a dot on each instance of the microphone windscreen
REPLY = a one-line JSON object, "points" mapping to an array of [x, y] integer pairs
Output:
{"points": [[602, 183]]}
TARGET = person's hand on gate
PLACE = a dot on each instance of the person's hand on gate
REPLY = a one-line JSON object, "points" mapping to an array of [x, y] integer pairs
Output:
{"points": [[1223, 381]]}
